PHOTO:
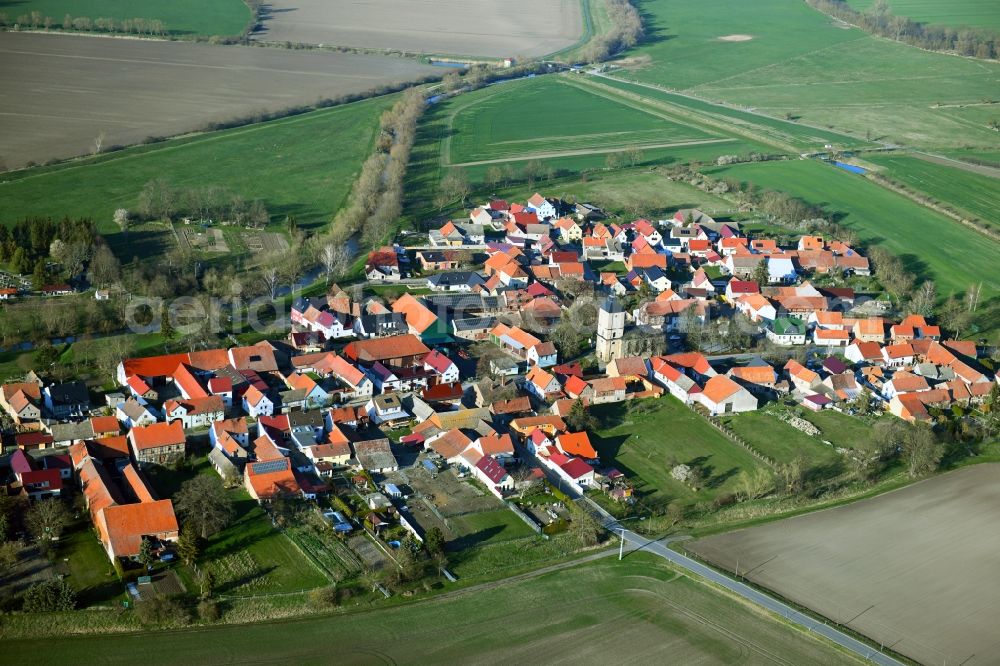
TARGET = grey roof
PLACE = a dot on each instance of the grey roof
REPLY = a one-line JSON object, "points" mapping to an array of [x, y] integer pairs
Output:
{"points": [[69, 393], [473, 324], [222, 462], [456, 278], [463, 302], [375, 454], [134, 409], [65, 432], [312, 418], [294, 395]]}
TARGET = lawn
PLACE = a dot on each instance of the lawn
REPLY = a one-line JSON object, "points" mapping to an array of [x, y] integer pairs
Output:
{"points": [[89, 569], [249, 556], [975, 195], [252, 557], [182, 17], [956, 13], [931, 245], [546, 115], [841, 430], [783, 443], [800, 62], [302, 166], [487, 527], [654, 613], [641, 438]]}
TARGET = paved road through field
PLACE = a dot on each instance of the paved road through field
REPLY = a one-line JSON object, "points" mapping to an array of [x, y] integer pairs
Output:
{"points": [[750, 594]]}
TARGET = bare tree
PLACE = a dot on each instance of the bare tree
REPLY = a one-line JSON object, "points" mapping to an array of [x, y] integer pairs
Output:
{"points": [[335, 259], [98, 143], [924, 299], [271, 277]]}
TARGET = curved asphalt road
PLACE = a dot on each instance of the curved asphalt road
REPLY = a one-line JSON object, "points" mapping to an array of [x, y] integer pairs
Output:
{"points": [[749, 593]]}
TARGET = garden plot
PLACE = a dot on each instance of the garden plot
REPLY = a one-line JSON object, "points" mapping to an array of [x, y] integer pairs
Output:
{"points": [[450, 495], [264, 241], [205, 240]]}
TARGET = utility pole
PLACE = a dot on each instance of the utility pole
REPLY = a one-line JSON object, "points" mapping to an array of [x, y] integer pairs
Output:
{"points": [[621, 546]]}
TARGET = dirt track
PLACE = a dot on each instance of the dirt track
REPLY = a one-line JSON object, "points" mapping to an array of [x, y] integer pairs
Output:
{"points": [[588, 151], [462, 27], [915, 569], [981, 169], [59, 92]]}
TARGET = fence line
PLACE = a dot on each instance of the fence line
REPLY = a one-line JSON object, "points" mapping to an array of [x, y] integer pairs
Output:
{"points": [[525, 517], [733, 437]]}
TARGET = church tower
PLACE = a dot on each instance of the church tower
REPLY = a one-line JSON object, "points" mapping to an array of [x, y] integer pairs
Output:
{"points": [[610, 330]]}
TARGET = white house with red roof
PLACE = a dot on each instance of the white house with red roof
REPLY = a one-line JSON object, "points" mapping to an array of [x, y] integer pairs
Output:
{"points": [[256, 403], [737, 288], [542, 207], [721, 395], [442, 366], [196, 412], [649, 233], [491, 473]]}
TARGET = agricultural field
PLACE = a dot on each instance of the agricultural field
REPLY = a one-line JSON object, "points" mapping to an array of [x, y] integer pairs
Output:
{"points": [[183, 18], [767, 128], [520, 29], [914, 569], [639, 441], [783, 57], [956, 13], [302, 166], [931, 245], [82, 98], [975, 195], [659, 614], [549, 117]]}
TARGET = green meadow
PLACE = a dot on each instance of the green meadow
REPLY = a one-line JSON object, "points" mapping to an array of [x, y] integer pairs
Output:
{"points": [[786, 131], [930, 244], [956, 13], [546, 115], [182, 17], [976, 195], [302, 166], [800, 62]]}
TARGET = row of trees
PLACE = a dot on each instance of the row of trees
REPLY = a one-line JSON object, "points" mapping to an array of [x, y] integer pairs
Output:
{"points": [[880, 21], [133, 26], [161, 201], [626, 32], [376, 200]]}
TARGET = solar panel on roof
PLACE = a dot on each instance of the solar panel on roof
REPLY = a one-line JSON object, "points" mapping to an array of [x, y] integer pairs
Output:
{"points": [[269, 466]]}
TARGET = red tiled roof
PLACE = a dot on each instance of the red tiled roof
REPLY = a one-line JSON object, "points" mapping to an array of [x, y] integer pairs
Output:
{"points": [[126, 524], [382, 349], [576, 444], [157, 435], [154, 366]]}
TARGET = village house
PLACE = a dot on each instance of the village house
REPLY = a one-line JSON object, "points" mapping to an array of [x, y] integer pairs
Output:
{"points": [[160, 443], [194, 413], [123, 525], [721, 395]]}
